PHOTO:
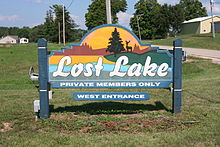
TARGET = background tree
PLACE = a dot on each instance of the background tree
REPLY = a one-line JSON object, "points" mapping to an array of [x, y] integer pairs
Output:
{"points": [[96, 14], [77, 34], [13, 31], [55, 16], [37, 32], [162, 21], [116, 45], [148, 22], [176, 19], [24, 32], [193, 9], [3, 31], [50, 27]]}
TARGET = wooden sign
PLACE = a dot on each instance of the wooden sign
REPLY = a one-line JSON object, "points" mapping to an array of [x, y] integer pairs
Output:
{"points": [[109, 56]]}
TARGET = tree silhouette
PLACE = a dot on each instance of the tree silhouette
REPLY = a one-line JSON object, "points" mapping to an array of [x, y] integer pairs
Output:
{"points": [[116, 45]]}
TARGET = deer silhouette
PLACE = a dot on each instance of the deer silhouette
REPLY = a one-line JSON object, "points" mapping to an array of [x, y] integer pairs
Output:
{"points": [[129, 48]]}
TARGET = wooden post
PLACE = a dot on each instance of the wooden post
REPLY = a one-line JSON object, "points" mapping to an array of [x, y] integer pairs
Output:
{"points": [[177, 76], [43, 78]]}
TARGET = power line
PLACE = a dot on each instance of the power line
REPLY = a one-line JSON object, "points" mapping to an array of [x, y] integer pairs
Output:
{"points": [[70, 4]]}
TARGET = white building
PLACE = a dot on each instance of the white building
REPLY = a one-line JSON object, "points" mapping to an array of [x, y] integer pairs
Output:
{"points": [[201, 25], [24, 40], [9, 40]]}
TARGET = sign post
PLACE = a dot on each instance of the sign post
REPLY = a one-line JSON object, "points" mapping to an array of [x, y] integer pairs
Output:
{"points": [[177, 76], [43, 78]]}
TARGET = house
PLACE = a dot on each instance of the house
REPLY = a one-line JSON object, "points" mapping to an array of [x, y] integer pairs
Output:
{"points": [[201, 25], [9, 40], [24, 40]]}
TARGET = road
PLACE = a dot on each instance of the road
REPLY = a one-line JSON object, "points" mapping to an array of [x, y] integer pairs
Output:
{"points": [[205, 53]]}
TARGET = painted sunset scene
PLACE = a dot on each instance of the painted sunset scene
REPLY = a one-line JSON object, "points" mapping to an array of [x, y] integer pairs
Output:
{"points": [[109, 43]]}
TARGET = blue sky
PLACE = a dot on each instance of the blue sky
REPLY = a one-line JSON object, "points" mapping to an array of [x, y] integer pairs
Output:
{"points": [[32, 12]]}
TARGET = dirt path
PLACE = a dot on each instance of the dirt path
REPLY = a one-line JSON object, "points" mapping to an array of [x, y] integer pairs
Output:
{"points": [[214, 55]]}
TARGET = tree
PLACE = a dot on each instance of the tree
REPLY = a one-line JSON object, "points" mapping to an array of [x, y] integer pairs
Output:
{"points": [[148, 22], [13, 31], [3, 31], [77, 34], [176, 19], [53, 18], [193, 9], [116, 45], [37, 32], [162, 21], [24, 32], [50, 27], [96, 14]]}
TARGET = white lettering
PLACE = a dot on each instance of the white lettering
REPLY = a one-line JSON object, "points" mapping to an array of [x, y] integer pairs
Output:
{"points": [[118, 64], [77, 69], [149, 69], [135, 70], [98, 67], [59, 71], [88, 72], [162, 70]]}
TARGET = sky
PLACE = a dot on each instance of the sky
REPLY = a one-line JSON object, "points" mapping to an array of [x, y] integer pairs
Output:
{"points": [[19, 13]]}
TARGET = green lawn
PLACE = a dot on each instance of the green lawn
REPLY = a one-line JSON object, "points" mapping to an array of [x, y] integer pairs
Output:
{"points": [[128, 124], [193, 41]]}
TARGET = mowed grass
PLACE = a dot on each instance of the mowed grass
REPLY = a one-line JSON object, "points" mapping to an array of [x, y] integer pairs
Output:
{"points": [[120, 123], [204, 41]]}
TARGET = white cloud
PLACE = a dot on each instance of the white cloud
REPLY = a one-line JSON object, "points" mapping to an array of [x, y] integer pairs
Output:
{"points": [[35, 1], [79, 21], [124, 18], [10, 18], [74, 17], [168, 1], [216, 8], [35, 24]]}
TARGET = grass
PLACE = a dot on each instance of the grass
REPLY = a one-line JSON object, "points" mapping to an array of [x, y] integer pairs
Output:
{"points": [[204, 41], [75, 123]]}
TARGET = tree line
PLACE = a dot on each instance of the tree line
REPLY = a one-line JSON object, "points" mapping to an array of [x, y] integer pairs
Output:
{"points": [[50, 28], [155, 20], [161, 21]]}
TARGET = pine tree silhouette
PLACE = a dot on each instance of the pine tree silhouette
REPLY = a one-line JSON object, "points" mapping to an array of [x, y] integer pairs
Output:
{"points": [[116, 45]]}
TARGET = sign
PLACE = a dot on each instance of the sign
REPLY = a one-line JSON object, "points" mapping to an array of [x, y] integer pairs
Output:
{"points": [[112, 96], [110, 56]]}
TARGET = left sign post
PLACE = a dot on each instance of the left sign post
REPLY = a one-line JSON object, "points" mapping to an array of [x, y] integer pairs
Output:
{"points": [[43, 78]]}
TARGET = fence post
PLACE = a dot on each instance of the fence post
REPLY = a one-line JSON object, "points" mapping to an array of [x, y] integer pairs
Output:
{"points": [[43, 78], [177, 76]]}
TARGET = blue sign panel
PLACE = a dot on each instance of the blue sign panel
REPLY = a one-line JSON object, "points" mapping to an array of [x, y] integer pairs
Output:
{"points": [[111, 84], [110, 96]]}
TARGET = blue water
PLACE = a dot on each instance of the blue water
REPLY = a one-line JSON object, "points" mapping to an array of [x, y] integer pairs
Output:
{"points": [[107, 67]]}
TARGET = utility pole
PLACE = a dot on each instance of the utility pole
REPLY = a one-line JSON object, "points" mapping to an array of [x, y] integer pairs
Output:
{"points": [[213, 25], [64, 36], [64, 39], [108, 11], [139, 30], [59, 31]]}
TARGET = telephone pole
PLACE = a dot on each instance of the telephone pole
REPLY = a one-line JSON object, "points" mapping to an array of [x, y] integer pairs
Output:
{"points": [[108, 11], [64, 38], [59, 31], [213, 24], [139, 30]]}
